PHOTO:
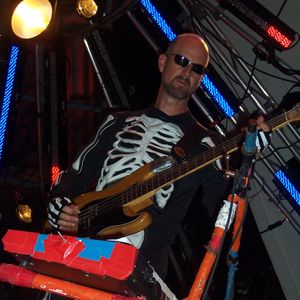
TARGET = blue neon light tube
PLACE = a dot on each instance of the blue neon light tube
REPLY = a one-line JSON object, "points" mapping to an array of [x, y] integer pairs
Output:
{"points": [[288, 186], [11, 72]]}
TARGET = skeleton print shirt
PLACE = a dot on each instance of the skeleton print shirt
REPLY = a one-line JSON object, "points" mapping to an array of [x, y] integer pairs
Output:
{"points": [[125, 142], [142, 140]]}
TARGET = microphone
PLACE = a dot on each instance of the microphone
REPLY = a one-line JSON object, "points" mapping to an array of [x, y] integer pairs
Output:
{"points": [[249, 145]]}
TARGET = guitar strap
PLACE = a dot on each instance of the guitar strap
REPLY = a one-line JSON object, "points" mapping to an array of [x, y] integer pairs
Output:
{"points": [[190, 142]]}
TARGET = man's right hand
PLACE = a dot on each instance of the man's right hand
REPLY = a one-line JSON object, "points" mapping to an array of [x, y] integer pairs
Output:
{"points": [[63, 214]]}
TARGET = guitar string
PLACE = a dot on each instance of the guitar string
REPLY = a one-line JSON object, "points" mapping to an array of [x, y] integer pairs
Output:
{"points": [[111, 202]]}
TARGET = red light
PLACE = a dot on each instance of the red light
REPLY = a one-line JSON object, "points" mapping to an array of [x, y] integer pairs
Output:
{"points": [[279, 37], [55, 170]]}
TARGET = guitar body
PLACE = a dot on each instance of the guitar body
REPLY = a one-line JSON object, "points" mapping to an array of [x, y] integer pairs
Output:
{"points": [[113, 225], [99, 212]]}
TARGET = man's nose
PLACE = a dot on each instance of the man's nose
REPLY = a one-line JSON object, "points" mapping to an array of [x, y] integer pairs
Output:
{"points": [[188, 69]]}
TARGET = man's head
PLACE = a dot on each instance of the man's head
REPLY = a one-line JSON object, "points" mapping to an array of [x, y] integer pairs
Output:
{"points": [[182, 66]]}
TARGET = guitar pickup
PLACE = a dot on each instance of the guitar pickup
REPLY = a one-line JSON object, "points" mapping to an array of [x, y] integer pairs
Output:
{"points": [[163, 163]]}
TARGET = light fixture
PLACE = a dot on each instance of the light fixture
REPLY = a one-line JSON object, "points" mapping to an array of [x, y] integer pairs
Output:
{"points": [[31, 17], [261, 20], [86, 8], [24, 213], [55, 170], [287, 179], [8, 94]]}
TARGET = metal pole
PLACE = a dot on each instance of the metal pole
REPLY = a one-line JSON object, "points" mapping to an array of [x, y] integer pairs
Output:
{"points": [[259, 85], [40, 99], [98, 74]]}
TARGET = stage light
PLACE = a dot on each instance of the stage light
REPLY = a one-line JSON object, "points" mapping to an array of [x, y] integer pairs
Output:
{"points": [[55, 170], [207, 84], [215, 94], [261, 20], [158, 19], [31, 17], [24, 213], [9, 85], [288, 181], [86, 8]]}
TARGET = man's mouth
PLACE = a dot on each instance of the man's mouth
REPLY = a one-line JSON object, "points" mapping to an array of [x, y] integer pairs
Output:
{"points": [[182, 81]]}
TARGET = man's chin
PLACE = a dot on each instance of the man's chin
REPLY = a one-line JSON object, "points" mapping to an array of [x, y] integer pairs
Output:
{"points": [[180, 98], [179, 92]]}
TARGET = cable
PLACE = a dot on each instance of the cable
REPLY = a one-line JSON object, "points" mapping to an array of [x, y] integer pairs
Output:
{"points": [[236, 235], [110, 16], [222, 241], [227, 74], [278, 148], [225, 44], [273, 226], [281, 8], [246, 94], [293, 86], [229, 77], [258, 192]]}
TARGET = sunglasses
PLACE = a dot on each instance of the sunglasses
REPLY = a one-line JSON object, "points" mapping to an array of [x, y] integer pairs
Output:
{"points": [[183, 62]]}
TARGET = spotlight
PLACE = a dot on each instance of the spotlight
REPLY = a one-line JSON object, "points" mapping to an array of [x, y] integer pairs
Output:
{"points": [[24, 213], [31, 17], [86, 8]]}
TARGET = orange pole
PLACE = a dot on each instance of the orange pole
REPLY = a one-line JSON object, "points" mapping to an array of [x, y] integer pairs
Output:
{"points": [[233, 253], [206, 265], [209, 260], [68, 289], [240, 211], [20, 276]]}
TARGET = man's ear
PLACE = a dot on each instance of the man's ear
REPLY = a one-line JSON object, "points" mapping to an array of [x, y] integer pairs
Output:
{"points": [[162, 59]]}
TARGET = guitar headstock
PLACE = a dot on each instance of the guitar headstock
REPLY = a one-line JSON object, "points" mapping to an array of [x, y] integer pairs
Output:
{"points": [[287, 117], [295, 115], [296, 107]]}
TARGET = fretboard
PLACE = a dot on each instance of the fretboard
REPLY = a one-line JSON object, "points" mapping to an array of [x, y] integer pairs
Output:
{"points": [[199, 161]]}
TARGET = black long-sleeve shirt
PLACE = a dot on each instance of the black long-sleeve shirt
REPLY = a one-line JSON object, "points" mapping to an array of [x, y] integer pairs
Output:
{"points": [[124, 142]]}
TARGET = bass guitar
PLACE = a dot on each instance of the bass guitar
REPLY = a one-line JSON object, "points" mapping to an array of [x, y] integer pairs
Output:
{"points": [[126, 200]]}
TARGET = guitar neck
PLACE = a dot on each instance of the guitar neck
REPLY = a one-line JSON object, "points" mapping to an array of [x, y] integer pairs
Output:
{"points": [[203, 159], [149, 187]]}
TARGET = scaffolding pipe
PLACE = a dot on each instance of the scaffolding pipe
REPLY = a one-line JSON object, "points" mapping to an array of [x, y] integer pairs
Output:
{"points": [[98, 73]]}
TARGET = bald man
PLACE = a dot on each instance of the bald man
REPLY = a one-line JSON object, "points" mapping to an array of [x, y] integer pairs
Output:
{"points": [[182, 68], [126, 141]]}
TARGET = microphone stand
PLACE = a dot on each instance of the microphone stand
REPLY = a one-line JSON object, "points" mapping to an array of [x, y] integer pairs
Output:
{"points": [[236, 204], [239, 194]]}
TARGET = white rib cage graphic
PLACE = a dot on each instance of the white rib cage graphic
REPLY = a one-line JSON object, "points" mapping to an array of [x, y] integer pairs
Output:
{"points": [[142, 140]]}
